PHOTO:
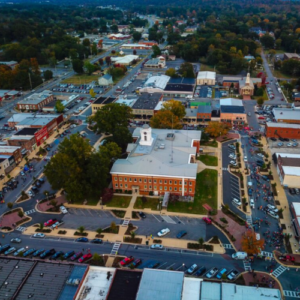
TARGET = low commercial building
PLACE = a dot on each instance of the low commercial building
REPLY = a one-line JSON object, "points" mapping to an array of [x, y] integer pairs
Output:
{"points": [[232, 111], [145, 105], [136, 46], [12, 151], [101, 101], [160, 161], [291, 56], [282, 130], [148, 43], [105, 80], [25, 138], [159, 62], [126, 60], [35, 101], [286, 115], [119, 36], [12, 64], [295, 211], [206, 78], [4, 164], [288, 168], [15, 119], [9, 94]]}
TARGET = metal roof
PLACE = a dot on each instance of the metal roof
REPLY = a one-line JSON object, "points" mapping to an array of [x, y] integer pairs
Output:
{"points": [[231, 101], [286, 114], [183, 80], [160, 285], [204, 109], [147, 101], [179, 87], [206, 75], [191, 288]]}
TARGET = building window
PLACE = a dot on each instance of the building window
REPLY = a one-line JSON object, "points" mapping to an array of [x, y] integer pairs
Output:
{"points": [[150, 180], [180, 189], [121, 185], [185, 183], [150, 187], [170, 188], [175, 188], [140, 180], [116, 185], [120, 178], [145, 180], [190, 190], [165, 181], [190, 183], [145, 187], [154, 180], [130, 179], [125, 179], [185, 189], [160, 181], [180, 182], [155, 187], [134, 179], [160, 187], [116, 178], [170, 181], [175, 182], [165, 188], [126, 185]]}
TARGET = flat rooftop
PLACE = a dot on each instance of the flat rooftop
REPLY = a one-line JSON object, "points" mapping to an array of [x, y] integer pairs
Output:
{"points": [[16, 118], [8, 149], [35, 121], [36, 98], [179, 87], [96, 283], [104, 100], [286, 114], [147, 101], [232, 109], [125, 285], [27, 131]]}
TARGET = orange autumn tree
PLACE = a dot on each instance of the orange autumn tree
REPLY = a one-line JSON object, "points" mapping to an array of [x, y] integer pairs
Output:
{"points": [[250, 244], [216, 129]]}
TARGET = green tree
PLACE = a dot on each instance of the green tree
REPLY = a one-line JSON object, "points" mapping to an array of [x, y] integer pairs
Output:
{"points": [[86, 43], [176, 107], [10, 205], [20, 214], [99, 231], [113, 118], [48, 74], [94, 49], [90, 68], [136, 36], [132, 233], [41, 226], [81, 229], [187, 70], [201, 242], [59, 107], [267, 41], [171, 72], [113, 226], [156, 51], [78, 169], [114, 28], [260, 101], [77, 65]]}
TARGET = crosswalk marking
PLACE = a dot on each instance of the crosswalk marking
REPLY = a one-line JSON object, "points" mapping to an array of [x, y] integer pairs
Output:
{"points": [[30, 212], [168, 219], [20, 228], [279, 271], [126, 222], [291, 294], [225, 169], [115, 248], [247, 265], [227, 246], [268, 254]]}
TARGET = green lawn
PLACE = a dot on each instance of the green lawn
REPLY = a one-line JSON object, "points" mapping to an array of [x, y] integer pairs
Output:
{"points": [[213, 143], [119, 201], [204, 67], [81, 79], [209, 160], [206, 192], [150, 203]]}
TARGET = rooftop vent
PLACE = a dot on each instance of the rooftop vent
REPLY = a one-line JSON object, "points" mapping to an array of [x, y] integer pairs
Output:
{"points": [[170, 136], [162, 146]]}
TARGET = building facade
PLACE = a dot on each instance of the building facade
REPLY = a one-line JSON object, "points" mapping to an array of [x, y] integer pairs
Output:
{"points": [[159, 161], [288, 168], [35, 101], [282, 130]]}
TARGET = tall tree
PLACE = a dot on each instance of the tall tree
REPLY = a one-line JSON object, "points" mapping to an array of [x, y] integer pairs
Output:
{"points": [[165, 119], [59, 107], [77, 65], [187, 70], [48, 74], [136, 36], [216, 129], [176, 107], [250, 243]]}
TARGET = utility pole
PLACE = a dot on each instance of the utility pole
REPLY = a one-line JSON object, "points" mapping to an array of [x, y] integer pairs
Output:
{"points": [[30, 81]]}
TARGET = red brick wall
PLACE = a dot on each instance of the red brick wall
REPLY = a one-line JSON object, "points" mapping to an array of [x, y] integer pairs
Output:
{"points": [[197, 145], [148, 183], [204, 116], [25, 144], [276, 132], [235, 84]]}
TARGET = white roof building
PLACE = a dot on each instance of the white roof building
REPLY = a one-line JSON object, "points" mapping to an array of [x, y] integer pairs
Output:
{"points": [[155, 84], [231, 102], [206, 78], [284, 114], [124, 60]]}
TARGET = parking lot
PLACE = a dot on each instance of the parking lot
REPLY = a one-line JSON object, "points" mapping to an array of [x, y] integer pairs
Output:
{"points": [[203, 91]]}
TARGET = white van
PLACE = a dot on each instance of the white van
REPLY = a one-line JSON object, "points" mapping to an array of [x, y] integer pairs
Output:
{"points": [[239, 255]]}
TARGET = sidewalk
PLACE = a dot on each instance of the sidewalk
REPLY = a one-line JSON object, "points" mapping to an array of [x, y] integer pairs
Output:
{"points": [[281, 197]]}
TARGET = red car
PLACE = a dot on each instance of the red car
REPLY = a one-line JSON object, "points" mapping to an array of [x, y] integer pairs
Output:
{"points": [[50, 222], [85, 257], [207, 220], [261, 118], [287, 258], [127, 260]]}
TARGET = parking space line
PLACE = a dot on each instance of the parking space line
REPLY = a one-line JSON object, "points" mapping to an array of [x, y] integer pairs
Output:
{"points": [[162, 265], [90, 212], [179, 268], [169, 267], [156, 218], [179, 220]]}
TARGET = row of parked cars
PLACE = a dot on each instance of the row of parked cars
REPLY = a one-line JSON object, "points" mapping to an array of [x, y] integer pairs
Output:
{"points": [[35, 187], [43, 253]]}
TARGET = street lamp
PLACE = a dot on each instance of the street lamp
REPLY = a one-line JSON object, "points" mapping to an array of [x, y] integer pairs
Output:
{"points": [[183, 266]]}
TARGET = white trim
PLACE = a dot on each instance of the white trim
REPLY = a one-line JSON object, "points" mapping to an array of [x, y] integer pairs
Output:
{"points": [[136, 174]]}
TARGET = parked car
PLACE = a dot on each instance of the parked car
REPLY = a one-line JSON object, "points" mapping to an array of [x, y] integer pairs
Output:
{"points": [[137, 262], [233, 163], [163, 232], [292, 191], [76, 256], [260, 155], [68, 254], [181, 234], [207, 220], [272, 214], [280, 144], [85, 257], [200, 271], [232, 274], [211, 273], [273, 139], [236, 201], [250, 192], [63, 209], [57, 254], [295, 144], [245, 158], [287, 258], [29, 252], [157, 247], [192, 269], [10, 250], [38, 252], [289, 144], [126, 260], [232, 155], [96, 241], [252, 205], [16, 240], [272, 207], [220, 274], [50, 222], [19, 251], [38, 235], [142, 215], [47, 253], [82, 240]]}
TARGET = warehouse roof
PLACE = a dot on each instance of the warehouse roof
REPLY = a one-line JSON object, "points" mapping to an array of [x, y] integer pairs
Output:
{"points": [[206, 75], [157, 81], [286, 114], [36, 98], [35, 121], [16, 118]]}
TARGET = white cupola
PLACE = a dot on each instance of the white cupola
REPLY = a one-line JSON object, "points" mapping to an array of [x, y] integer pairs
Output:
{"points": [[146, 135]]}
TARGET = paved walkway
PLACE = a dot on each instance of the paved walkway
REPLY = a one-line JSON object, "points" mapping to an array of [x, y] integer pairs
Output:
{"points": [[43, 207], [10, 219], [260, 278]]}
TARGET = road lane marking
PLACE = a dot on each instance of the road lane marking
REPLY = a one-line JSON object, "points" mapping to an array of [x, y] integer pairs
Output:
{"points": [[277, 272]]}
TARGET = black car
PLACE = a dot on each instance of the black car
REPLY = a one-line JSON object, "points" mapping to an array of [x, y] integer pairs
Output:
{"points": [[38, 184], [292, 191], [57, 254], [281, 139], [259, 162], [273, 139], [47, 253], [96, 241], [34, 188], [200, 271], [41, 180], [286, 140], [142, 215]]}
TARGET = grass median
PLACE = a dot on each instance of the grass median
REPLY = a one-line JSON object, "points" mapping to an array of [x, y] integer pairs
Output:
{"points": [[209, 160], [151, 203], [206, 193], [119, 201]]}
